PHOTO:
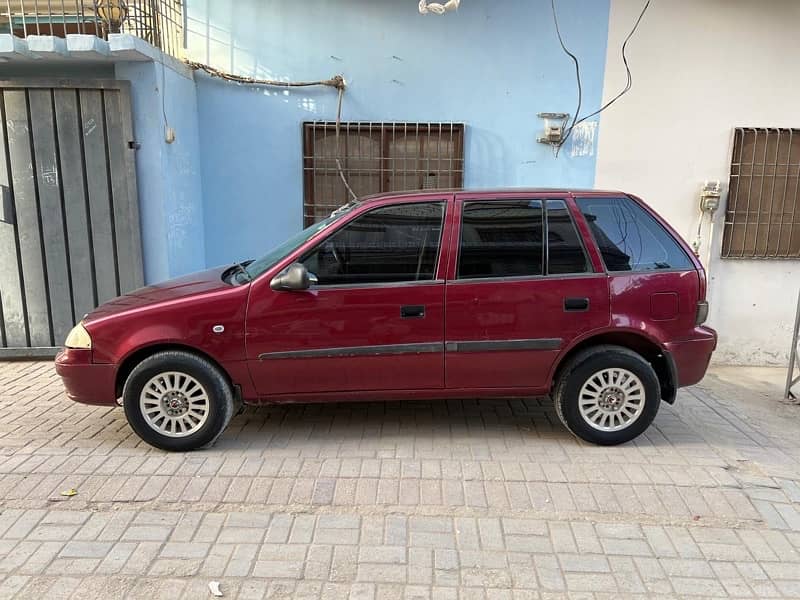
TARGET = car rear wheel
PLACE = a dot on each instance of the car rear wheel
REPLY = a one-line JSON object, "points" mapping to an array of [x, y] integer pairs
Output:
{"points": [[177, 401], [607, 395]]}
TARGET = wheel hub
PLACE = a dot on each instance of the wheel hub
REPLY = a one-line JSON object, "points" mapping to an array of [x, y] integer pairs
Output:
{"points": [[175, 404], [612, 399]]}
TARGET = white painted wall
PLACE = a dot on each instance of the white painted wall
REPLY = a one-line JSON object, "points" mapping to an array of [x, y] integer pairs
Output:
{"points": [[701, 68]]}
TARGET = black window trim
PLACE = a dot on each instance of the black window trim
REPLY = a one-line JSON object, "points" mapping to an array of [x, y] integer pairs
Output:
{"points": [[388, 284], [587, 259], [445, 202], [511, 278], [655, 220], [546, 243]]}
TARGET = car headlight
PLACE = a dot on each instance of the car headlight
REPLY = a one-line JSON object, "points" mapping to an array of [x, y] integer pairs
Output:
{"points": [[78, 338]]}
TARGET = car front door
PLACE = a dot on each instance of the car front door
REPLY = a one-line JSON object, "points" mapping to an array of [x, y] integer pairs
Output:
{"points": [[373, 321], [521, 287]]}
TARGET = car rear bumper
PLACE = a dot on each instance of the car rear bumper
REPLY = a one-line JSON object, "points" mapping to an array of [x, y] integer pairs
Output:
{"points": [[691, 356], [85, 381]]}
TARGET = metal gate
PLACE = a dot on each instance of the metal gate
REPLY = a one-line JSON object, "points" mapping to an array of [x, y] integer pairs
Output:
{"points": [[69, 216]]}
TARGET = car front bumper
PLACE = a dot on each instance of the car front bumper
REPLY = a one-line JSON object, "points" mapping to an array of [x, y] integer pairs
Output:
{"points": [[85, 381], [691, 356]]}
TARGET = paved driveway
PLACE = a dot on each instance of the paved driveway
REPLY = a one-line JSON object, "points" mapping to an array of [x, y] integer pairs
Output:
{"points": [[401, 500]]}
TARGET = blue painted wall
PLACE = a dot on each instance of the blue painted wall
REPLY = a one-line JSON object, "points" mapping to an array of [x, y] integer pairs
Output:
{"points": [[168, 177], [491, 65]]}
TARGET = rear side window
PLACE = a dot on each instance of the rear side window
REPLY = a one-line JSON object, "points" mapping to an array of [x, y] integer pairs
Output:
{"points": [[501, 239], [507, 239], [629, 238]]}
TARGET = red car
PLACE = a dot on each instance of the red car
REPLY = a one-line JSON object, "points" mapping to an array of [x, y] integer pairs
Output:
{"points": [[583, 295]]}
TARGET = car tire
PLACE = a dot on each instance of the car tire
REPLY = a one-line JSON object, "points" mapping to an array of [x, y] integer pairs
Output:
{"points": [[607, 395], [177, 401]]}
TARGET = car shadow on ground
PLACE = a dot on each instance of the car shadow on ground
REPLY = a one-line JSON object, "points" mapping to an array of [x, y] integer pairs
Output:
{"points": [[368, 422], [690, 422], [510, 422]]}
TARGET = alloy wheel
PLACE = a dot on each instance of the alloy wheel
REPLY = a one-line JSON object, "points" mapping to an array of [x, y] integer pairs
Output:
{"points": [[174, 404], [611, 399]]}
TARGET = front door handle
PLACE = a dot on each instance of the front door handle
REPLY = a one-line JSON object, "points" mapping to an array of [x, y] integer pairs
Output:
{"points": [[412, 311], [576, 304]]}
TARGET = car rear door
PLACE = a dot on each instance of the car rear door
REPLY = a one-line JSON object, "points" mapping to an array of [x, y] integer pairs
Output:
{"points": [[521, 286], [375, 319]]}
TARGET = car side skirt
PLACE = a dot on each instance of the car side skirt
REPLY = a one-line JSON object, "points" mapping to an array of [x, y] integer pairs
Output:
{"points": [[390, 395]]}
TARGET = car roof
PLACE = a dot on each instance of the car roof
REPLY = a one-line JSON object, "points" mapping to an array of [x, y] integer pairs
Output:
{"points": [[496, 192]]}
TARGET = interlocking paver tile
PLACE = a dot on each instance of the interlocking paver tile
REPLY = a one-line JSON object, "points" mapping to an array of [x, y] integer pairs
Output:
{"points": [[457, 499]]}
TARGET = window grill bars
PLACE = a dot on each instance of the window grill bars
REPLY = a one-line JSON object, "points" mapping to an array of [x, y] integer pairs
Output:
{"points": [[377, 157], [762, 217]]}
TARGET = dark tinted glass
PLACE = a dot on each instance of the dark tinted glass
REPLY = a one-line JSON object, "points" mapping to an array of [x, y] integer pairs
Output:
{"points": [[501, 239], [386, 245], [564, 249], [629, 238]]}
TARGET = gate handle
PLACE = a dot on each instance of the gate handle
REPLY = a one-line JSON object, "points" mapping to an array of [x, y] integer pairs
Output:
{"points": [[6, 205]]}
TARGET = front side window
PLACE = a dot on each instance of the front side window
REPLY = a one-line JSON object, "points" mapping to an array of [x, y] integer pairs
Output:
{"points": [[629, 238], [387, 245]]}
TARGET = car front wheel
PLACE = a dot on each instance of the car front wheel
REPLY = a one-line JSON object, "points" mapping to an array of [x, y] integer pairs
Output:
{"points": [[607, 395], [177, 401]]}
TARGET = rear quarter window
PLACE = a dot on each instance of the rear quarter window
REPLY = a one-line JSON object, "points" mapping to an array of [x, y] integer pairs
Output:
{"points": [[629, 238]]}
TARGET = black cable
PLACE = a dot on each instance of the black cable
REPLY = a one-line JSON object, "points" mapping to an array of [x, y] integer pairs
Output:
{"points": [[577, 72], [625, 90]]}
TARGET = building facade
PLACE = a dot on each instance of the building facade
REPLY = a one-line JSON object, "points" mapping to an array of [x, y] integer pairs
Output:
{"points": [[224, 171]]}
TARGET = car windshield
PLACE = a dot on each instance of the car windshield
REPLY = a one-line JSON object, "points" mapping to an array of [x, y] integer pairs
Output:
{"points": [[257, 267]]}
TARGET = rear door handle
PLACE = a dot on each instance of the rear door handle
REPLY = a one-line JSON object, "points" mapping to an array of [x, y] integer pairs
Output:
{"points": [[576, 304], [412, 311]]}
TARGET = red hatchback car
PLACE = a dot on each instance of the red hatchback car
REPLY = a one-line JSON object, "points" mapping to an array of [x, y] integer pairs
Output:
{"points": [[583, 295]]}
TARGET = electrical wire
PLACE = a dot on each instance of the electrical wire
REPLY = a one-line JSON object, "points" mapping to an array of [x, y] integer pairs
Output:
{"points": [[709, 249], [628, 85], [163, 96], [577, 75], [699, 236], [339, 162], [337, 81]]}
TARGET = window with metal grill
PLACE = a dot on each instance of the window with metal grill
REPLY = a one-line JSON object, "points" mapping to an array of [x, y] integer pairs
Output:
{"points": [[762, 218], [375, 158]]}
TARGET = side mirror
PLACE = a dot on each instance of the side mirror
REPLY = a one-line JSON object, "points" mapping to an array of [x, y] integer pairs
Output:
{"points": [[293, 278]]}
